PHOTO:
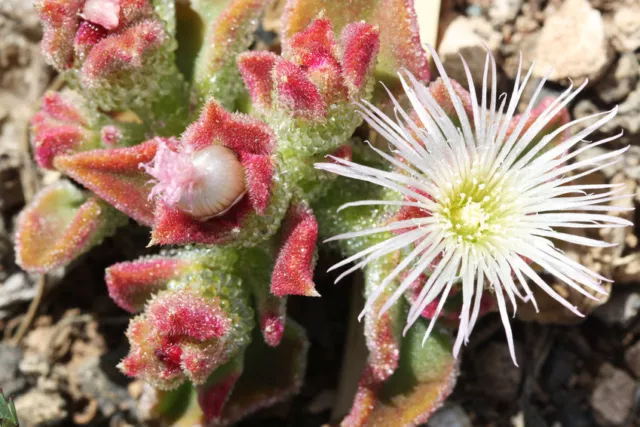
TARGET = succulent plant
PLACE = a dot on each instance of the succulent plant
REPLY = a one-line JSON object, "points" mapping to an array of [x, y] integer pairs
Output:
{"points": [[227, 155]]}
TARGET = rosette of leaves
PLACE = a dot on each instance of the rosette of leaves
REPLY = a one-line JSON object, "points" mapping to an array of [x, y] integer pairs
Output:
{"points": [[154, 87]]}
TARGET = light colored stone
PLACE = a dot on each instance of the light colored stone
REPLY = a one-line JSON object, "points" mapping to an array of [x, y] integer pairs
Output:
{"points": [[15, 290], [37, 408], [619, 81], [625, 28], [632, 357], [621, 308], [503, 11], [627, 119], [612, 397], [572, 41], [450, 416], [468, 37]]}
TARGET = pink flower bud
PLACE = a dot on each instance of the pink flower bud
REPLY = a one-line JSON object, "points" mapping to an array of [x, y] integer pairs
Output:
{"points": [[180, 336], [315, 51], [60, 21], [314, 72]]}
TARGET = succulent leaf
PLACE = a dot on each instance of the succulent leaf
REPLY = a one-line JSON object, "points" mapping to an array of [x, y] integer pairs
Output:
{"points": [[255, 268], [115, 175], [132, 283], [228, 34], [214, 394], [399, 35], [425, 376], [271, 374], [66, 125], [293, 270], [60, 224], [382, 332], [8, 415]]}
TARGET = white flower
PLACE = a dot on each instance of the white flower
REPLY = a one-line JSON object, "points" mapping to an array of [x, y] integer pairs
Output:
{"points": [[495, 200]]}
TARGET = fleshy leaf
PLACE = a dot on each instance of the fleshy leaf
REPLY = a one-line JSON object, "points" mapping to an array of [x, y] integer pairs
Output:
{"points": [[293, 270], [174, 227], [425, 377], [87, 36], [132, 283], [315, 51], [256, 69], [360, 43], [399, 34], [61, 127], [60, 21], [255, 267], [214, 394], [216, 72], [115, 176], [382, 332], [8, 415], [295, 93], [271, 374], [60, 224]]}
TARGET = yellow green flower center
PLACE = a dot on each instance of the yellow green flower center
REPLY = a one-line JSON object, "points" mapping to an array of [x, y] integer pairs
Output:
{"points": [[472, 210]]}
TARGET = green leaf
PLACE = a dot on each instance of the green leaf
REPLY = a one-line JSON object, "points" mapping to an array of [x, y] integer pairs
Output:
{"points": [[8, 415]]}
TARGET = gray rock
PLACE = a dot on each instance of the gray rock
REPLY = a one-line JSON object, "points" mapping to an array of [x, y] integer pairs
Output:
{"points": [[621, 308], [16, 289], [23, 15], [11, 195], [612, 397], [620, 81], [467, 37], [94, 382], [10, 379], [493, 365], [632, 357], [450, 416], [503, 11]]}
